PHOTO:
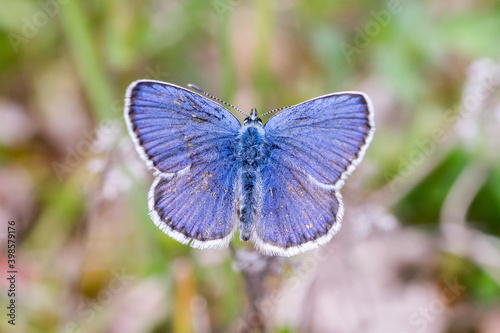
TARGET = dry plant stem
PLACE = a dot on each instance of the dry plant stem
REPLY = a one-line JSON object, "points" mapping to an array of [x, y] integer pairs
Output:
{"points": [[463, 192], [458, 237], [255, 288], [390, 195], [78, 244]]}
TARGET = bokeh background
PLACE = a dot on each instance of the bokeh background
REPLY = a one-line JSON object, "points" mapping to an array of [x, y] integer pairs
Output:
{"points": [[419, 250]]}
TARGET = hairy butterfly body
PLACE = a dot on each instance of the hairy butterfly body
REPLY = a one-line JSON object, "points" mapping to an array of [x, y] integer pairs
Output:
{"points": [[279, 182]]}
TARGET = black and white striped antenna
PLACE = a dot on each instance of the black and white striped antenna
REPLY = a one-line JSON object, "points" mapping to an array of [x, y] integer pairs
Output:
{"points": [[192, 86], [275, 110]]}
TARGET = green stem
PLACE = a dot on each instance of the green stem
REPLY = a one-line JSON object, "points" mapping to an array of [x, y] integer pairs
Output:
{"points": [[227, 58], [79, 36], [262, 72]]}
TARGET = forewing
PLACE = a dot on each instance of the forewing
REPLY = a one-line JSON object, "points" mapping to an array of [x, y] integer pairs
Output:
{"points": [[295, 214], [173, 128], [326, 137]]}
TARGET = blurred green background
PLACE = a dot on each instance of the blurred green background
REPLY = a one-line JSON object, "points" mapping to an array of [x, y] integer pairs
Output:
{"points": [[419, 250]]}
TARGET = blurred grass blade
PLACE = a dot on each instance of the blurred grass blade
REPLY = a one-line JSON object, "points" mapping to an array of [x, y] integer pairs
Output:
{"points": [[79, 36]]}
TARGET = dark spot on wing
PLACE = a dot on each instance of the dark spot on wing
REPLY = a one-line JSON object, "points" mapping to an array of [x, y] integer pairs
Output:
{"points": [[198, 120]]}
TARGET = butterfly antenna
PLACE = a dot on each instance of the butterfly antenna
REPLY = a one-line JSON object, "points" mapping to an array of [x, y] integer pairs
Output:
{"points": [[275, 110], [192, 86]]}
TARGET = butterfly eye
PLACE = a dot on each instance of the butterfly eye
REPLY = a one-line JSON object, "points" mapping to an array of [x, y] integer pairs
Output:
{"points": [[250, 120]]}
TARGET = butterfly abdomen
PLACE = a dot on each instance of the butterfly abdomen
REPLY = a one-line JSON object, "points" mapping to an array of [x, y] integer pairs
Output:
{"points": [[251, 158]]}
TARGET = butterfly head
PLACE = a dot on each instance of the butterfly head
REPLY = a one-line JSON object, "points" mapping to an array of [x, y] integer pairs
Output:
{"points": [[252, 119]]}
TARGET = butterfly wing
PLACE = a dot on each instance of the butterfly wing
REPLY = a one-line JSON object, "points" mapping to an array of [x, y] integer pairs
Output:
{"points": [[173, 128], [197, 207], [189, 141], [314, 146]]}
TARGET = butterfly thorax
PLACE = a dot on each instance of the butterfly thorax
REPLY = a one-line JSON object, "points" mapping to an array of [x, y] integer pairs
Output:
{"points": [[251, 147], [252, 155]]}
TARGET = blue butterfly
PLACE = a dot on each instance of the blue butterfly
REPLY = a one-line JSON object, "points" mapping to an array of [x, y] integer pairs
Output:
{"points": [[279, 182]]}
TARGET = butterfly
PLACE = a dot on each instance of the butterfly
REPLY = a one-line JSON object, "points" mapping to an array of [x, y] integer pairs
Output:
{"points": [[278, 182]]}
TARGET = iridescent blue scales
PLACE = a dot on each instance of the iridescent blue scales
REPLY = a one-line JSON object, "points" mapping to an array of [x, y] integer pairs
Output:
{"points": [[279, 182]]}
